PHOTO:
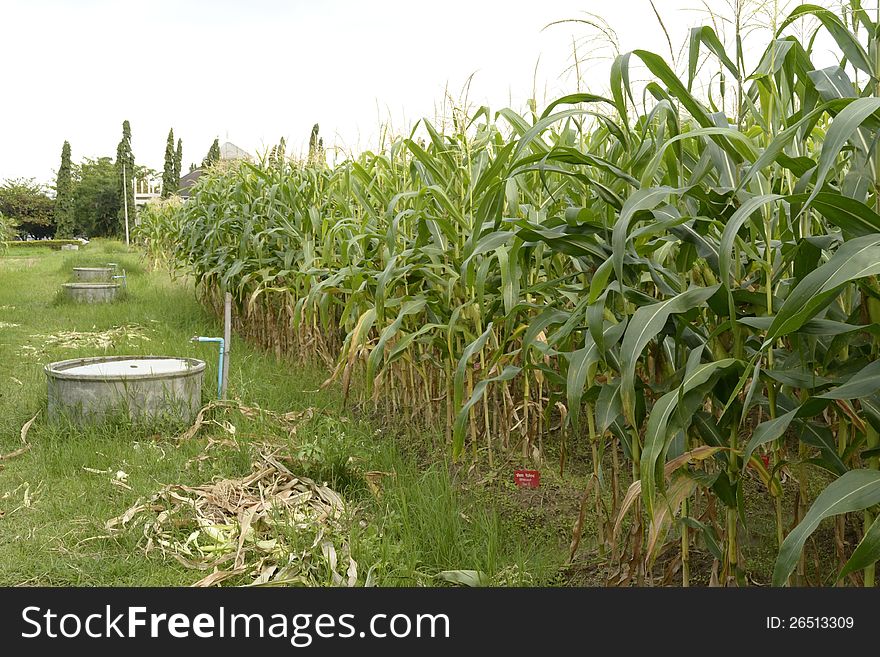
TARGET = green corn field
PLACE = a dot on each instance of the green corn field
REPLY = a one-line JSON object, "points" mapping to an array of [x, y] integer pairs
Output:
{"points": [[682, 285]]}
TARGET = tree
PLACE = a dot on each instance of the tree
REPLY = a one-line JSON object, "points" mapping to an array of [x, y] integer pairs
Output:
{"points": [[64, 220], [26, 204], [178, 163], [124, 173], [169, 182], [214, 152], [213, 155], [96, 199]]}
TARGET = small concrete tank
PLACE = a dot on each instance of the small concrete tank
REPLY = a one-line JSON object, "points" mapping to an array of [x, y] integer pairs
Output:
{"points": [[91, 274], [145, 388], [91, 292]]}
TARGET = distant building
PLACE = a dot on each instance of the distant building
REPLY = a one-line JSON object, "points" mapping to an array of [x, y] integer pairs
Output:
{"points": [[187, 182], [145, 190], [228, 152]]}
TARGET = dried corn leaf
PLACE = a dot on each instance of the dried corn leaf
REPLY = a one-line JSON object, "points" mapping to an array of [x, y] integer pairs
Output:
{"points": [[104, 340], [260, 523], [288, 421], [25, 444], [218, 576]]}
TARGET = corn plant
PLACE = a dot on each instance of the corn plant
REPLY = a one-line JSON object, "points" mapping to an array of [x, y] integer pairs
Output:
{"points": [[685, 282]]}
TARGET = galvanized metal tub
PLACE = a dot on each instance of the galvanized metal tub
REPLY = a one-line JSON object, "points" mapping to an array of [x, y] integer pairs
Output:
{"points": [[91, 292], [141, 388]]}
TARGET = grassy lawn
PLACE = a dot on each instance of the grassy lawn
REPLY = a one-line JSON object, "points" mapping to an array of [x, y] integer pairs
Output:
{"points": [[56, 497]]}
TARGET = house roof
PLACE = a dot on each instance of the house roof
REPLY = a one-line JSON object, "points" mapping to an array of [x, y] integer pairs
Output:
{"points": [[187, 181]]}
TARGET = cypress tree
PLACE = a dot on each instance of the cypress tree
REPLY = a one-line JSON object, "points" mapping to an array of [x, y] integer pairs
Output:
{"points": [[168, 180], [213, 155], [124, 175], [178, 163], [64, 222]]}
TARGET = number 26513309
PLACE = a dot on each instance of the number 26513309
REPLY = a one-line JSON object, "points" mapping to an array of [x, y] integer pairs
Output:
{"points": [[810, 623]]}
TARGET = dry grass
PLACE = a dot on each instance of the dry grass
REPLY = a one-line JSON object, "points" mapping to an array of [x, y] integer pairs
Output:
{"points": [[103, 340]]}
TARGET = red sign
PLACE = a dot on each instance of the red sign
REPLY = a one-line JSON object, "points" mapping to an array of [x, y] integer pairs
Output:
{"points": [[527, 478]]}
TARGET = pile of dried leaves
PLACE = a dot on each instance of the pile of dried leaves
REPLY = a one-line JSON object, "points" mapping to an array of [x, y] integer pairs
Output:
{"points": [[272, 528], [104, 340]]}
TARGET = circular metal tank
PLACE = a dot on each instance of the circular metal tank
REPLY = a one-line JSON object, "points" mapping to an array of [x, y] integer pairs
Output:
{"points": [[91, 292], [143, 388], [89, 274]]}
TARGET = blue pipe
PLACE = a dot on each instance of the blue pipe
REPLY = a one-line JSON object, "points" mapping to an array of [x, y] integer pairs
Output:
{"points": [[199, 338], [115, 266]]}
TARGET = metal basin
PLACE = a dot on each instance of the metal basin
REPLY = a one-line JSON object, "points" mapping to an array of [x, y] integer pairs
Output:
{"points": [[142, 388]]}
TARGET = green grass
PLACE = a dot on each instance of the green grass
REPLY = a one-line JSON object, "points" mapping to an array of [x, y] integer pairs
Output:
{"points": [[53, 509]]}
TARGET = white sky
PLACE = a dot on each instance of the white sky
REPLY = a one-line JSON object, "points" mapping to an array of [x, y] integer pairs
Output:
{"points": [[251, 71]]}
